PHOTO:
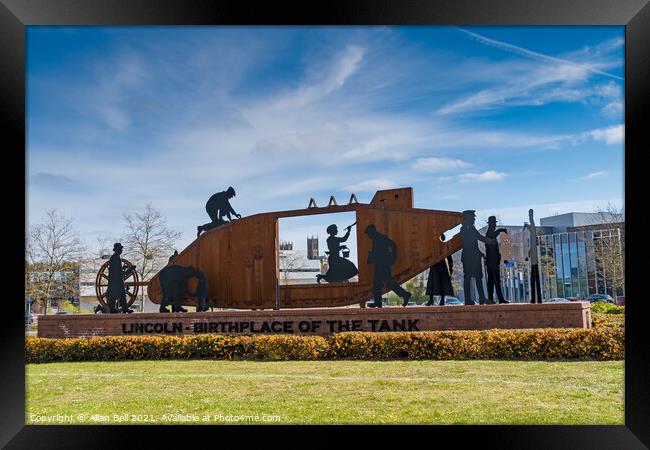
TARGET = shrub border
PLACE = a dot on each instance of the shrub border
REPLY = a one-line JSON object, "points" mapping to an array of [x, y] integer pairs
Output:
{"points": [[605, 343]]}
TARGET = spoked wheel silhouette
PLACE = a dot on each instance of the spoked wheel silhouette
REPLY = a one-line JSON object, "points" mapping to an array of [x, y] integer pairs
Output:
{"points": [[131, 284]]}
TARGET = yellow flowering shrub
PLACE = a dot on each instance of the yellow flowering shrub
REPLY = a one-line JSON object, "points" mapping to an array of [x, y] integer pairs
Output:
{"points": [[599, 320], [548, 343], [603, 343]]}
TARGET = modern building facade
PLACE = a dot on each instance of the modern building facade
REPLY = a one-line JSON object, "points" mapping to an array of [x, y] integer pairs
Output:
{"points": [[581, 262], [580, 254]]}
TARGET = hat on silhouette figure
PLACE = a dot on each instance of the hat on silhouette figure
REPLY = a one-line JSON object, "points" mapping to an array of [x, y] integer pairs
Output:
{"points": [[370, 229]]}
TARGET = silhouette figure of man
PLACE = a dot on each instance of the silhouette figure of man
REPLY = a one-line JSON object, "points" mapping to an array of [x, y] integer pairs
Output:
{"points": [[471, 257], [535, 287], [493, 261], [217, 207], [116, 275], [383, 255]]}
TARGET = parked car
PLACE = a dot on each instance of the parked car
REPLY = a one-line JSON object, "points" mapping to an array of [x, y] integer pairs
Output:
{"points": [[452, 301], [620, 300], [600, 298], [555, 300]]}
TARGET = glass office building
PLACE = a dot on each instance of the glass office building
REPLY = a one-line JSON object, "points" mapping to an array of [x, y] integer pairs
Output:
{"points": [[580, 254], [581, 263]]}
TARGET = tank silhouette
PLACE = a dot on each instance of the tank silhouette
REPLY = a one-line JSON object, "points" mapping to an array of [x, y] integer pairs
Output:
{"points": [[240, 259]]}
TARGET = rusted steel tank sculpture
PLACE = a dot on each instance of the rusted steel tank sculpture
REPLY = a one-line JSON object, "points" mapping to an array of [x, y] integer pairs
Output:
{"points": [[241, 260]]}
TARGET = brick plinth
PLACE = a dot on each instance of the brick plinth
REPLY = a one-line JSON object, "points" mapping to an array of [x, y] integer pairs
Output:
{"points": [[321, 321]]}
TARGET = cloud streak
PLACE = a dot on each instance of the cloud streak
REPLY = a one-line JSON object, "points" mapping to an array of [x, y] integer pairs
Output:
{"points": [[372, 185], [438, 164], [539, 80], [532, 54], [488, 175], [592, 175]]}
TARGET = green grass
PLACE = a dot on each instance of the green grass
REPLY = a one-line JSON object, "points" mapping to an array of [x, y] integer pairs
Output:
{"points": [[330, 392]]}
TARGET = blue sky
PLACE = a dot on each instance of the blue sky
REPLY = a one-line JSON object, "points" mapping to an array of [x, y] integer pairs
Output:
{"points": [[497, 119]]}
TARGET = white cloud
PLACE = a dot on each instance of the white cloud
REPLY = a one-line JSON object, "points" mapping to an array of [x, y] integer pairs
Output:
{"points": [[438, 164], [372, 185], [535, 55], [599, 50], [542, 79], [534, 86], [488, 175], [609, 90], [612, 109], [109, 98], [592, 175], [341, 69], [611, 135]]}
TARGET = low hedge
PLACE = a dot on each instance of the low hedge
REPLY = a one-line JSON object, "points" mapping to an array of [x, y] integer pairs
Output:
{"points": [[210, 346], [600, 320], [604, 343], [607, 308]]}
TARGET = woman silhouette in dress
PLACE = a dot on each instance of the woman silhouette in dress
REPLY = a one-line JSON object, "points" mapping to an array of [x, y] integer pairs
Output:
{"points": [[340, 268], [439, 282]]}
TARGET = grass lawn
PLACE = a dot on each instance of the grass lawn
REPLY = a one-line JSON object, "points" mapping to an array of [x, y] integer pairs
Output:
{"points": [[330, 392]]}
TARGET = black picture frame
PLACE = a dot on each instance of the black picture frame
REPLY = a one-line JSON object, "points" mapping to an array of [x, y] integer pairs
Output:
{"points": [[15, 15]]}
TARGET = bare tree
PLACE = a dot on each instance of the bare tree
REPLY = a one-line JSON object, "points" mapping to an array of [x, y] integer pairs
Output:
{"points": [[104, 246], [609, 247], [148, 242], [53, 254], [290, 261]]}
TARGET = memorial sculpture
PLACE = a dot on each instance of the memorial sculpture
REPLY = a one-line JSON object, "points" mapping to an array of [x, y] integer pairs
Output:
{"points": [[439, 279], [201, 294], [383, 255], [236, 265], [535, 288], [241, 263], [339, 267], [471, 257], [116, 275], [493, 261], [173, 282], [218, 206]]}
